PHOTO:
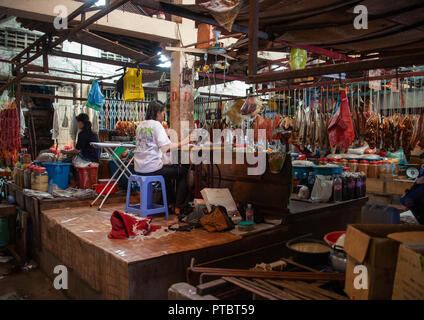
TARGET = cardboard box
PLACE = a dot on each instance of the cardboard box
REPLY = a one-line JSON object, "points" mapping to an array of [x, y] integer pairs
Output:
{"points": [[409, 277], [369, 245]]}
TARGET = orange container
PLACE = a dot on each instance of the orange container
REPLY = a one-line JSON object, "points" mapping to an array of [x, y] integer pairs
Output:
{"points": [[86, 177]]}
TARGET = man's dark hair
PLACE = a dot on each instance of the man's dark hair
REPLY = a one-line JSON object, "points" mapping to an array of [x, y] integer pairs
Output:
{"points": [[153, 109]]}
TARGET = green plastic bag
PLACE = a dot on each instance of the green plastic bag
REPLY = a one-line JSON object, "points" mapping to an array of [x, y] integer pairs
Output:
{"points": [[298, 58]]}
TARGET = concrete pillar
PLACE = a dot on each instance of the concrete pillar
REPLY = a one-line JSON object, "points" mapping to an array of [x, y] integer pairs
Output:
{"points": [[182, 95]]}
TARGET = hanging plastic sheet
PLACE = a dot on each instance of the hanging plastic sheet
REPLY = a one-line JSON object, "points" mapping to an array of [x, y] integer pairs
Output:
{"points": [[224, 11], [55, 130], [298, 58], [73, 131], [95, 122]]}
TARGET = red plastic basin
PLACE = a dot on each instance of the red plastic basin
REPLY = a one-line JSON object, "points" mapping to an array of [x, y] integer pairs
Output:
{"points": [[100, 187], [332, 237]]}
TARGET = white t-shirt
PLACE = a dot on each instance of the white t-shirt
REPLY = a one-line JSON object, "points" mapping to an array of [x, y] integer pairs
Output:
{"points": [[151, 136]]}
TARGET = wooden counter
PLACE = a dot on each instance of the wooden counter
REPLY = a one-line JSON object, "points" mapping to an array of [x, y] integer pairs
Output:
{"points": [[71, 233]]}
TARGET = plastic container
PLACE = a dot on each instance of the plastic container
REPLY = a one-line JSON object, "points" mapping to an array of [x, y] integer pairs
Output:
{"points": [[301, 170], [335, 161], [373, 169], [86, 177], [328, 170], [332, 237], [250, 215], [323, 161], [363, 167], [58, 173], [40, 179], [338, 188], [100, 187], [386, 169], [353, 165], [27, 176], [344, 162]]}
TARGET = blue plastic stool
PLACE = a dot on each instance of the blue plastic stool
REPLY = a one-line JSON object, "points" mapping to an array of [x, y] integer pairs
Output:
{"points": [[146, 207]]}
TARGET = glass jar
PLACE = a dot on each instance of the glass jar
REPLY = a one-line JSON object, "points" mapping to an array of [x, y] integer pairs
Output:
{"points": [[385, 169], [353, 165], [373, 169], [343, 162], [363, 167], [27, 176], [40, 179]]}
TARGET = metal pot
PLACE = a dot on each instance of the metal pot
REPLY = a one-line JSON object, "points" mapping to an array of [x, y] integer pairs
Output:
{"points": [[338, 258], [309, 258]]}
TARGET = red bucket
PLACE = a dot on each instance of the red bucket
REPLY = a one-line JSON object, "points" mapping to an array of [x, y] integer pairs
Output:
{"points": [[86, 177]]}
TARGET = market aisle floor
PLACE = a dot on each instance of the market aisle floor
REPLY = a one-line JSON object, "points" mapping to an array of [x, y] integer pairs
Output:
{"points": [[28, 285]]}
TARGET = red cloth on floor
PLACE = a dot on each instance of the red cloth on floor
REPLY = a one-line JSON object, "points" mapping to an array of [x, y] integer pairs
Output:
{"points": [[123, 225], [340, 128]]}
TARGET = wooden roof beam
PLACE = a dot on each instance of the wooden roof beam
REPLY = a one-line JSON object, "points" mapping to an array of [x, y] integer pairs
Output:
{"points": [[93, 40], [388, 62], [78, 56], [188, 14]]}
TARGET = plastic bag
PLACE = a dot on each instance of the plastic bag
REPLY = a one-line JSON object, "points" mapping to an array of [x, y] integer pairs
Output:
{"points": [[298, 58], [323, 188], [133, 85], [234, 114], [79, 162], [249, 106], [95, 99]]}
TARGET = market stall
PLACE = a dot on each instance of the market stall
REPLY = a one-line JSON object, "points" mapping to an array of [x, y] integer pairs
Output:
{"points": [[317, 132]]}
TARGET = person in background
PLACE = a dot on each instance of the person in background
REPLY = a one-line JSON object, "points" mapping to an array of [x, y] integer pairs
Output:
{"points": [[152, 142], [83, 148], [414, 198]]}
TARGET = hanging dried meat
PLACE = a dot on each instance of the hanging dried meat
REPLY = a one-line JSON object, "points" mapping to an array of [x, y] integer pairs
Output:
{"points": [[275, 125], [407, 130], [340, 128], [417, 121], [371, 128], [387, 132], [397, 122], [10, 139], [268, 123]]}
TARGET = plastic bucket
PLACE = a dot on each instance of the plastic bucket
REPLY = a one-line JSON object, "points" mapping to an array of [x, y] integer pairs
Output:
{"points": [[58, 173], [86, 177]]}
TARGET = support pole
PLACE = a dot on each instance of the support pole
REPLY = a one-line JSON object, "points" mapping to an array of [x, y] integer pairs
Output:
{"points": [[253, 36]]}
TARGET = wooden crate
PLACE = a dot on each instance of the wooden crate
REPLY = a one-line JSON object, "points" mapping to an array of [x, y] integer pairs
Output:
{"points": [[398, 187], [375, 186]]}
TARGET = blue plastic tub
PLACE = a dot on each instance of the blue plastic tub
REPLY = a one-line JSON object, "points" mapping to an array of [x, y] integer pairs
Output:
{"points": [[328, 171], [300, 170], [58, 173]]}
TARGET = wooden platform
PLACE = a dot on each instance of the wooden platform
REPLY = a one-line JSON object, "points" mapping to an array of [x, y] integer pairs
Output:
{"points": [[78, 238], [71, 233], [130, 269]]}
